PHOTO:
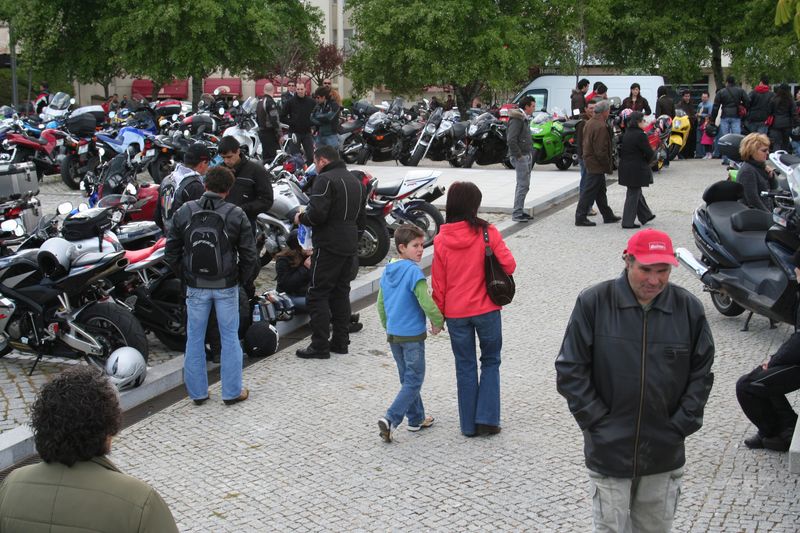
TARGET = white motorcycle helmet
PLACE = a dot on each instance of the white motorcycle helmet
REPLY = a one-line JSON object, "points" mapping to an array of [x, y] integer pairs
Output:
{"points": [[126, 368], [53, 257]]}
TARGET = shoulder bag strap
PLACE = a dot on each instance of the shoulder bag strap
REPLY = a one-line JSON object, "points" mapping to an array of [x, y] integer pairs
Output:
{"points": [[486, 240]]}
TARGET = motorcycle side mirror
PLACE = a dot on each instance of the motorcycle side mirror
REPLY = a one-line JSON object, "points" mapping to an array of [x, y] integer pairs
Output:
{"points": [[83, 207], [236, 103], [64, 208], [186, 134], [41, 126], [294, 138], [221, 111], [216, 92], [71, 101], [112, 114], [101, 151], [174, 116], [130, 189], [18, 231]]}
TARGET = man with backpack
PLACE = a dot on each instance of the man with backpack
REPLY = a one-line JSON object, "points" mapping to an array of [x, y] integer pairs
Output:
{"points": [[211, 246], [185, 183], [734, 104]]}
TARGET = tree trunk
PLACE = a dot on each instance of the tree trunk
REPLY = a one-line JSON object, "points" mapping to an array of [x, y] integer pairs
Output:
{"points": [[465, 94], [716, 62], [197, 88], [105, 85]]}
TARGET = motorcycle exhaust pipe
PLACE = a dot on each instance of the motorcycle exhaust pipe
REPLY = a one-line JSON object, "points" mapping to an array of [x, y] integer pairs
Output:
{"points": [[433, 194], [689, 261]]}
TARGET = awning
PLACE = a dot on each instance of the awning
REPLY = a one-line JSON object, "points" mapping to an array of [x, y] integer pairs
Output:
{"points": [[174, 89], [229, 86]]}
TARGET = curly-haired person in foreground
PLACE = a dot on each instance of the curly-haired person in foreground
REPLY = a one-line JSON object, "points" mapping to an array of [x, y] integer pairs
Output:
{"points": [[76, 487]]}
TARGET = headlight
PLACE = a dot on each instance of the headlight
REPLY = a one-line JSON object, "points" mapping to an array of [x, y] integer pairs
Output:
{"points": [[536, 130], [472, 129], [430, 129]]}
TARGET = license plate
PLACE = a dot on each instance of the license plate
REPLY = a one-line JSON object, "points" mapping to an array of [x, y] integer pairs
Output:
{"points": [[150, 153], [82, 149]]}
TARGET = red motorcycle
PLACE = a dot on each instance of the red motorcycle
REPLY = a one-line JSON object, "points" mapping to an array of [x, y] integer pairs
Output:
{"points": [[117, 182], [43, 152], [657, 133]]}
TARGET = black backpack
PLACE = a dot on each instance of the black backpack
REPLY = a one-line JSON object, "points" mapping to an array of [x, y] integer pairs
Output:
{"points": [[210, 260]]}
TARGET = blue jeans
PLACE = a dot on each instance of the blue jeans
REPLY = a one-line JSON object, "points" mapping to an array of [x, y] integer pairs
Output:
{"points": [[327, 140], [410, 359], [727, 125], [198, 307], [478, 397]]}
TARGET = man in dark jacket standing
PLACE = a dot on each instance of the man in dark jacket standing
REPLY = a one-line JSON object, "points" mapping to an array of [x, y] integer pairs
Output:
{"points": [[269, 124], [758, 107], [596, 150], [685, 105], [336, 215], [729, 99], [297, 114], [213, 253], [665, 105], [520, 148], [635, 368], [578, 98], [252, 190]]}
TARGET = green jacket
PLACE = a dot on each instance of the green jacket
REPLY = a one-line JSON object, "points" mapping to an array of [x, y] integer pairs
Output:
{"points": [[90, 495]]}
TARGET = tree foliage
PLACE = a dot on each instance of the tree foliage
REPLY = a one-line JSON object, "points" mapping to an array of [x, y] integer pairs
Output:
{"points": [[326, 63], [407, 46], [788, 11]]}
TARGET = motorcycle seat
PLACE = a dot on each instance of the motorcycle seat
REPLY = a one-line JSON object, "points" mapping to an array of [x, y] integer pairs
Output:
{"points": [[110, 140], [134, 256], [351, 126], [389, 187], [38, 140], [569, 126], [748, 245]]}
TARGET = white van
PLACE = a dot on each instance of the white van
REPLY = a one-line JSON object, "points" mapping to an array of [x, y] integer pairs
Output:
{"points": [[552, 92]]}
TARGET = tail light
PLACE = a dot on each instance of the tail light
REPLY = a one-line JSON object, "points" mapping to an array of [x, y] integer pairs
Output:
{"points": [[387, 208], [14, 212], [379, 137], [289, 166]]}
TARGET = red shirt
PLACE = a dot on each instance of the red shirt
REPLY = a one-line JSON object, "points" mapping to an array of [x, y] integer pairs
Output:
{"points": [[457, 275]]}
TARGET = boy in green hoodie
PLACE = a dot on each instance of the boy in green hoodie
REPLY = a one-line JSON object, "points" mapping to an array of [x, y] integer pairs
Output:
{"points": [[403, 303]]}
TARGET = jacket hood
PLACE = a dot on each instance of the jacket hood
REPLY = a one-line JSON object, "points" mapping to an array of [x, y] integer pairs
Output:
{"points": [[397, 271], [459, 234], [761, 88], [517, 113]]}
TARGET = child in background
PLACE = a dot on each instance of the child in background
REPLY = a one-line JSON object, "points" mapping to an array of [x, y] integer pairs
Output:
{"points": [[707, 140], [403, 303]]}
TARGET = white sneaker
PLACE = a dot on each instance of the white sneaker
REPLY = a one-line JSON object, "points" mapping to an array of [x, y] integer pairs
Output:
{"points": [[386, 429]]}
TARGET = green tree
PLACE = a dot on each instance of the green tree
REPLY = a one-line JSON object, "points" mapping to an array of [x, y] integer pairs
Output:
{"points": [[775, 50], [407, 46], [786, 11]]}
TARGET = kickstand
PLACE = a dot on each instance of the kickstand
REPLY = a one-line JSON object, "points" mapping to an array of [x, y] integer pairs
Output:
{"points": [[746, 326], [772, 324], [38, 358]]}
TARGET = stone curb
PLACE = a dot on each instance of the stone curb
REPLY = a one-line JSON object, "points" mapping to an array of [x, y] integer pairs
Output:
{"points": [[17, 445]]}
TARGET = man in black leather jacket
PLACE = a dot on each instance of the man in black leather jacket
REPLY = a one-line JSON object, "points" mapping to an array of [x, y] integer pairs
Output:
{"points": [[336, 214], [635, 368]]}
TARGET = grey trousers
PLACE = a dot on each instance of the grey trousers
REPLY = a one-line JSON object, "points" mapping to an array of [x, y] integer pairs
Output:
{"points": [[645, 504], [523, 167], [635, 206]]}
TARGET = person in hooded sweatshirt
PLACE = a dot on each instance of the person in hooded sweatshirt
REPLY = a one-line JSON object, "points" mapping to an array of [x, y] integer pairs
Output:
{"points": [[403, 303], [758, 110], [184, 184], [459, 290]]}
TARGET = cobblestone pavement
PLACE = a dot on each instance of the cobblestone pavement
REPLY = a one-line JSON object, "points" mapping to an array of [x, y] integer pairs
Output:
{"points": [[304, 453]]}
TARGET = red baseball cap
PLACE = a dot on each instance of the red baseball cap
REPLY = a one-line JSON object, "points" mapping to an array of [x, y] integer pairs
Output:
{"points": [[651, 246]]}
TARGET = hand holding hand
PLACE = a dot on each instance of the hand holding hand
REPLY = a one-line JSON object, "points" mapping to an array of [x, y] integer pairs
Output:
{"points": [[435, 330]]}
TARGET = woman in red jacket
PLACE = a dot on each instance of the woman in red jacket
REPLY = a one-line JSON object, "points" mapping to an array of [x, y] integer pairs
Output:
{"points": [[459, 289]]}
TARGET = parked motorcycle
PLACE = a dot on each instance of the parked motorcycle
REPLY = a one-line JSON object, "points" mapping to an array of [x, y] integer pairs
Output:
{"points": [[746, 254], [245, 129], [80, 152], [118, 177], [658, 132], [441, 138], [389, 135], [553, 141], [486, 142], [42, 151], [679, 134]]}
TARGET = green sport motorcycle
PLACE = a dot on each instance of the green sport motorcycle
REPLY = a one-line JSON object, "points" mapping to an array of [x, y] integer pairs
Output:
{"points": [[553, 141]]}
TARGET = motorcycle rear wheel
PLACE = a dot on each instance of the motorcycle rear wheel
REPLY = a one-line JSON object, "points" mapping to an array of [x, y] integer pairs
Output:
{"points": [[69, 172], [374, 242], [564, 162], [725, 304], [428, 219], [171, 294], [115, 327], [469, 159]]}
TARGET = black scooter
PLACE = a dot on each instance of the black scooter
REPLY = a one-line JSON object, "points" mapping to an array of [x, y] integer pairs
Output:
{"points": [[746, 254]]}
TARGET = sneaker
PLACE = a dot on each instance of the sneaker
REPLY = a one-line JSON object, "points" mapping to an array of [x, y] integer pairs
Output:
{"points": [[386, 429], [522, 218], [428, 422], [245, 394]]}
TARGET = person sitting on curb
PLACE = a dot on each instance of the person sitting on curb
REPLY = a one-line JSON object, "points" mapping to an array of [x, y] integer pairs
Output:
{"points": [[74, 419], [293, 274], [403, 303]]}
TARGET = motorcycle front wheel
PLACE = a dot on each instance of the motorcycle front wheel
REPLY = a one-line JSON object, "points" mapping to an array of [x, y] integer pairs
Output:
{"points": [[469, 158], [726, 305], [363, 156], [416, 157], [69, 172], [114, 327], [374, 242], [673, 151], [564, 162]]}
